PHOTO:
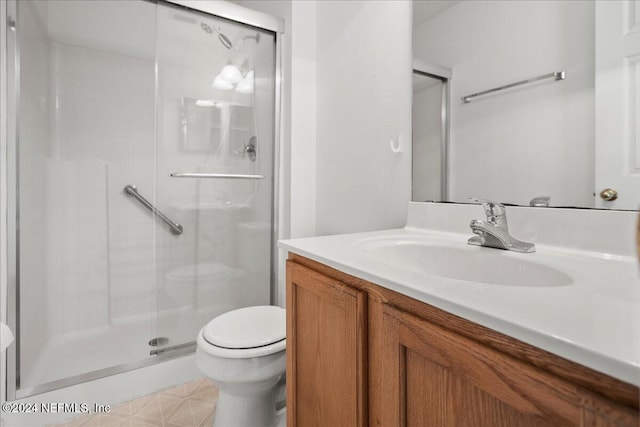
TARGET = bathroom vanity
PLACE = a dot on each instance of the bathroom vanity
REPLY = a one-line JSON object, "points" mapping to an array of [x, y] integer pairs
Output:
{"points": [[375, 339]]}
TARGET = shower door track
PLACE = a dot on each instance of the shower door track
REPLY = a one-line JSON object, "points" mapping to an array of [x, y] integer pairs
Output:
{"points": [[188, 347], [10, 93], [185, 350]]}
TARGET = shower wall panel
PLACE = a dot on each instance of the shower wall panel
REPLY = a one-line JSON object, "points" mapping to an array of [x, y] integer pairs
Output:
{"points": [[104, 140]]}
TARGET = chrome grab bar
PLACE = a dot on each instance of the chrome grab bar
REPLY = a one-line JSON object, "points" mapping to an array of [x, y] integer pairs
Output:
{"points": [[132, 191], [214, 175], [557, 75]]}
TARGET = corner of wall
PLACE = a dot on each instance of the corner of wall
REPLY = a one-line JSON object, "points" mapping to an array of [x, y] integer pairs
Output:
{"points": [[303, 119]]}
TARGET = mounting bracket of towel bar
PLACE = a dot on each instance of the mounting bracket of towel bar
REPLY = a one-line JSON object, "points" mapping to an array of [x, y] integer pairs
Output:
{"points": [[556, 75]]}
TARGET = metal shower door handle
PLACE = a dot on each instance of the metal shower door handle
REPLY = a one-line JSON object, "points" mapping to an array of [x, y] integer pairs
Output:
{"points": [[132, 191]]}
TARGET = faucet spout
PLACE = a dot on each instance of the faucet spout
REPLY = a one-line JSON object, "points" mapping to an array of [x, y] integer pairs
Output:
{"points": [[494, 232], [489, 235]]}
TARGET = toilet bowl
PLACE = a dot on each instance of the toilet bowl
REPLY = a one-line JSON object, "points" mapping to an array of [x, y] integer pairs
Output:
{"points": [[243, 353]]}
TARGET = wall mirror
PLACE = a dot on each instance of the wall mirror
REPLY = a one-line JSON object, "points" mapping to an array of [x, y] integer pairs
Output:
{"points": [[575, 140]]}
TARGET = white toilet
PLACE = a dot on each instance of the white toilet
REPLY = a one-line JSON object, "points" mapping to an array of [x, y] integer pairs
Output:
{"points": [[243, 352]]}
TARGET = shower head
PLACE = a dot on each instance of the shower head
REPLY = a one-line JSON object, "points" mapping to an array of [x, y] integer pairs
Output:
{"points": [[223, 39]]}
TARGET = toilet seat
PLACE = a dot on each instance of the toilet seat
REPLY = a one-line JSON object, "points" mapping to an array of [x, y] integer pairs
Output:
{"points": [[246, 332]]}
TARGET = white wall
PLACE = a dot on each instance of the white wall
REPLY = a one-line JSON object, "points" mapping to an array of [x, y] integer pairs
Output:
{"points": [[540, 135], [298, 143], [350, 95], [363, 90], [303, 119]]}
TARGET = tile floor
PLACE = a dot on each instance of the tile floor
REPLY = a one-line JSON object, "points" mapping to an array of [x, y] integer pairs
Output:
{"points": [[187, 405]]}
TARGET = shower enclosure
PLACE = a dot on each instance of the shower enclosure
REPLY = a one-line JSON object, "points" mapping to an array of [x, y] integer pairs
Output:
{"points": [[141, 148], [430, 132]]}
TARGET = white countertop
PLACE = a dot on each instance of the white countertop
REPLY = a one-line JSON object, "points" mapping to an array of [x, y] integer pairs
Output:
{"points": [[594, 321]]}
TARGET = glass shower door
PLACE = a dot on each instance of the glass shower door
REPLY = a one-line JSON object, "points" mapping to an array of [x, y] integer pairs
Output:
{"points": [[86, 129], [216, 116], [115, 259]]}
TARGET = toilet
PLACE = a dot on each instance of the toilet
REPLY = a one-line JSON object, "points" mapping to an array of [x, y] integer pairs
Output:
{"points": [[243, 352]]}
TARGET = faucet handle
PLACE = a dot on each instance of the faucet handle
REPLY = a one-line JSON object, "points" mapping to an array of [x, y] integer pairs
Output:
{"points": [[496, 212], [491, 208]]}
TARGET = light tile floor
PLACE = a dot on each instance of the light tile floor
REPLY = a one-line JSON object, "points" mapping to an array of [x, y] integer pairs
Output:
{"points": [[187, 405]]}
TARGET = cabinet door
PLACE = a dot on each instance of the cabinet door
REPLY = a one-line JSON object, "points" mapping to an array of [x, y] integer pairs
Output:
{"points": [[434, 377], [325, 350]]}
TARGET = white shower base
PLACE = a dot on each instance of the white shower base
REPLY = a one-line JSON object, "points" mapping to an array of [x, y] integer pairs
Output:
{"points": [[183, 306], [124, 342]]}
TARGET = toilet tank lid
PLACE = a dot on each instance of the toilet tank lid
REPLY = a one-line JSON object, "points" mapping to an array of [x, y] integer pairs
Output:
{"points": [[247, 327]]}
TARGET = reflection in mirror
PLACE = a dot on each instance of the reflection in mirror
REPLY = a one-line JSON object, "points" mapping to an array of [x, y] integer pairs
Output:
{"points": [[241, 131], [205, 123], [429, 133], [199, 123], [569, 140]]}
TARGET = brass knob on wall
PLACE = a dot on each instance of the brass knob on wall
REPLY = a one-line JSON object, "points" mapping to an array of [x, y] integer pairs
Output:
{"points": [[608, 194]]}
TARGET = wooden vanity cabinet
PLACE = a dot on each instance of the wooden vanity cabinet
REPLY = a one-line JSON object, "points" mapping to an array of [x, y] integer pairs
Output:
{"points": [[359, 354]]}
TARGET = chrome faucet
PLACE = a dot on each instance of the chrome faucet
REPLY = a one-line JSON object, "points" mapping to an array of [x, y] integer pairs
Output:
{"points": [[494, 232]]}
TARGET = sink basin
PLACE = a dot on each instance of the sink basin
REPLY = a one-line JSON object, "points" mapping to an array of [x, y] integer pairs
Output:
{"points": [[469, 263]]}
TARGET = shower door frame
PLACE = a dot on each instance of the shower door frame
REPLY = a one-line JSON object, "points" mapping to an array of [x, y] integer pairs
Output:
{"points": [[444, 75], [10, 140]]}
